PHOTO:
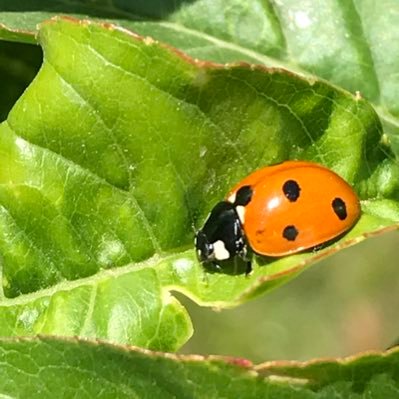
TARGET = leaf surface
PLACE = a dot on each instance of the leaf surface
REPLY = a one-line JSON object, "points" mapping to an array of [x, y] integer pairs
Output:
{"points": [[351, 44], [121, 145], [49, 367]]}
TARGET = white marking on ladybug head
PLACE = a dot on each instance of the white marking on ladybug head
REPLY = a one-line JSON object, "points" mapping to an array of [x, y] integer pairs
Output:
{"points": [[241, 213], [232, 198], [220, 251]]}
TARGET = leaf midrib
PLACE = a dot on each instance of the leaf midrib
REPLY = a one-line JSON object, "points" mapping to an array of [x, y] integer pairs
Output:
{"points": [[102, 275]]}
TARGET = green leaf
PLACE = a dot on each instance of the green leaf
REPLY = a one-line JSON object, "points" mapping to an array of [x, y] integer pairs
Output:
{"points": [[122, 308], [374, 374], [49, 367], [353, 45], [121, 145]]}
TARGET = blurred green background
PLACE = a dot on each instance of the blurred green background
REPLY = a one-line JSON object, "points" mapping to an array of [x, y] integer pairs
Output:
{"points": [[344, 304], [19, 64]]}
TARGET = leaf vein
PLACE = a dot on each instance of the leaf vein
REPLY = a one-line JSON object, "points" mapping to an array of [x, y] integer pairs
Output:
{"points": [[85, 330], [139, 209]]}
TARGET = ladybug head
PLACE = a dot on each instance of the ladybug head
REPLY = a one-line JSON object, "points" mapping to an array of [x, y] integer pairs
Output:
{"points": [[221, 238], [205, 249]]}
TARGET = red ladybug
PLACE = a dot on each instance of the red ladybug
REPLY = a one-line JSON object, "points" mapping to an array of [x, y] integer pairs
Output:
{"points": [[276, 211]]}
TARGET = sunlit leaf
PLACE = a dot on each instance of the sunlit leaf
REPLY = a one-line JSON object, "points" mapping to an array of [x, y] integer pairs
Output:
{"points": [[120, 146], [47, 368]]}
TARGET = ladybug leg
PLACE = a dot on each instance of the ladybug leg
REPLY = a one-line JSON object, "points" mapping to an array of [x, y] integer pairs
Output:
{"points": [[205, 279], [248, 269], [245, 256], [318, 247], [248, 265], [217, 267], [235, 266]]}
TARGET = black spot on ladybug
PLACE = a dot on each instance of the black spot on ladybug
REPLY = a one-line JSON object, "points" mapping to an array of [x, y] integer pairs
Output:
{"points": [[291, 190], [243, 196], [290, 233], [339, 208]]}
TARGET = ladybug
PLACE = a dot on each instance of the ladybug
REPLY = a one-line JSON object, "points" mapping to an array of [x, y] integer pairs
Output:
{"points": [[276, 211]]}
